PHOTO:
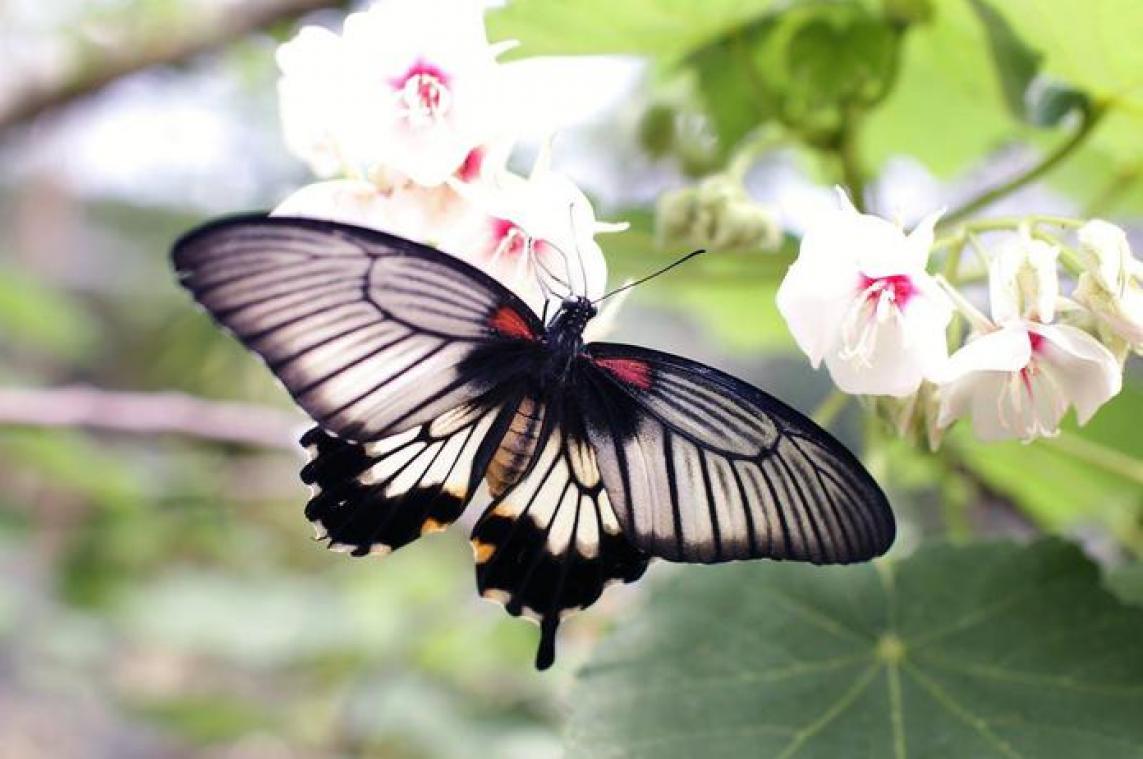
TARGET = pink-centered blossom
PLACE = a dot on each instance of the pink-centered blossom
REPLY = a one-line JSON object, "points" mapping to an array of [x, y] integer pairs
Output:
{"points": [[1017, 377], [859, 298], [410, 85], [536, 235]]}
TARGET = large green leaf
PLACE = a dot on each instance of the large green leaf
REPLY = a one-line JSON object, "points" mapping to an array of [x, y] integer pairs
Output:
{"points": [[985, 651], [948, 108], [667, 29], [1093, 45]]}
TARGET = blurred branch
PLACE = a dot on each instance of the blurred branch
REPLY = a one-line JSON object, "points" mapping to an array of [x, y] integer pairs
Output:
{"points": [[210, 30], [1091, 119], [150, 414]]}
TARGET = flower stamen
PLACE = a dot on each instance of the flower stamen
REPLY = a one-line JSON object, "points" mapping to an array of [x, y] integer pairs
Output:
{"points": [[423, 96], [880, 300]]}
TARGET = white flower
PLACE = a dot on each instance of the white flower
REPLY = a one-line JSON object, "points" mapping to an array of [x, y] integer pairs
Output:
{"points": [[1019, 375], [1018, 381], [411, 85], [535, 235], [1110, 288], [858, 296]]}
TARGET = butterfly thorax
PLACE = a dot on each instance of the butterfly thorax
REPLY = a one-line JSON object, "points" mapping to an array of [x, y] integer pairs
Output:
{"points": [[564, 336]]}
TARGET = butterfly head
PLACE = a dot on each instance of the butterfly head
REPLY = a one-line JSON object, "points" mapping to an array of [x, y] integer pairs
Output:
{"points": [[565, 332]]}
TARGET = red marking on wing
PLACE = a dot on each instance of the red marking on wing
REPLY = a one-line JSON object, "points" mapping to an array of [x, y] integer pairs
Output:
{"points": [[628, 370], [507, 321]]}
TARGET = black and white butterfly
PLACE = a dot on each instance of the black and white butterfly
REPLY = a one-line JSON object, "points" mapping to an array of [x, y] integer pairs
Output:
{"points": [[430, 381]]}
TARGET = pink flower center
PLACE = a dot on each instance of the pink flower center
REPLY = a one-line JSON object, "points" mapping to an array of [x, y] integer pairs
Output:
{"points": [[423, 94], [509, 240], [1036, 342], [879, 300], [897, 289]]}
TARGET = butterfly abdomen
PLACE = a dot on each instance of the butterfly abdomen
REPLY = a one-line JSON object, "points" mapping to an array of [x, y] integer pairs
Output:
{"points": [[517, 448]]}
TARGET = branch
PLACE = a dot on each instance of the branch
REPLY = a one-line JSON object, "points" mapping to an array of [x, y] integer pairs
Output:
{"points": [[209, 30], [151, 414], [1091, 119]]}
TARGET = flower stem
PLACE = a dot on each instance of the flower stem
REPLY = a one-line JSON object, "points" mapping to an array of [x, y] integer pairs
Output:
{"points": [[961, 231], [830, 407], [1098, 455], [1091, 119]]}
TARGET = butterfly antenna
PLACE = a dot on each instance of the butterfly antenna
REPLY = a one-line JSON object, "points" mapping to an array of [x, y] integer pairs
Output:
{"points": [[652, 275], [544, 268]]}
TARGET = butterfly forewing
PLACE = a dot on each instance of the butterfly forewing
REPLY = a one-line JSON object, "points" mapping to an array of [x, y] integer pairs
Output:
{"points": [[371, 334], [702, 467]]}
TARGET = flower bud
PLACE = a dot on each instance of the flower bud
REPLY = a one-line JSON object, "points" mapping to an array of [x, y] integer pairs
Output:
{"points": [[1109, 289], [717, 213], [1105, 253], [1119, 318], [1023, 280]]}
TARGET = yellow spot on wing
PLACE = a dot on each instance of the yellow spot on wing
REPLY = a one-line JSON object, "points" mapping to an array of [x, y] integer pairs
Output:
{"points": [[501, 597], [431, 525], [482, 551]]}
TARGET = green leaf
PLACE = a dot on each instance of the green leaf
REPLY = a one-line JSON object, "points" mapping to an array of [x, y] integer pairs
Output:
{"points": [[807, 67], [666, 29], [947, 108], [983, 651], [730, 89], [1093, 45], [1016, 63], [1126, 582]]}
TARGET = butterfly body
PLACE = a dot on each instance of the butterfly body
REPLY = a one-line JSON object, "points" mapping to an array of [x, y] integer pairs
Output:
{"points": [[434, 387]]}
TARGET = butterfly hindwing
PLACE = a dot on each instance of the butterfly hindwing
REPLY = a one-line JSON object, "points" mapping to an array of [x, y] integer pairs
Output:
{"points": [[373, 498], [552, 543], [702, 467], [371, 334]]}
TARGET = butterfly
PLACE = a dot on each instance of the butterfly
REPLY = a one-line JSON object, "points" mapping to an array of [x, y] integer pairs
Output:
{"points": [[433, 385]]}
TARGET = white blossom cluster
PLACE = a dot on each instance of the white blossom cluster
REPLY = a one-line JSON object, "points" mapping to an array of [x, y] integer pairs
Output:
{"points": [[408, 117], [861, 298]]}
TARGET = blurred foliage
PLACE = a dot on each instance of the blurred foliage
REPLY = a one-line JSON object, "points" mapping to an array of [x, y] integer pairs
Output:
{"points": [[162, 592], [991, 650]]}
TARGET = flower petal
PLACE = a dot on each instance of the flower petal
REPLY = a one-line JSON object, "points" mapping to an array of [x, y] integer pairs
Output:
{"points": [[889, 369], [920, 240], [1087, 373], [813, 299], [1006, 350]]}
